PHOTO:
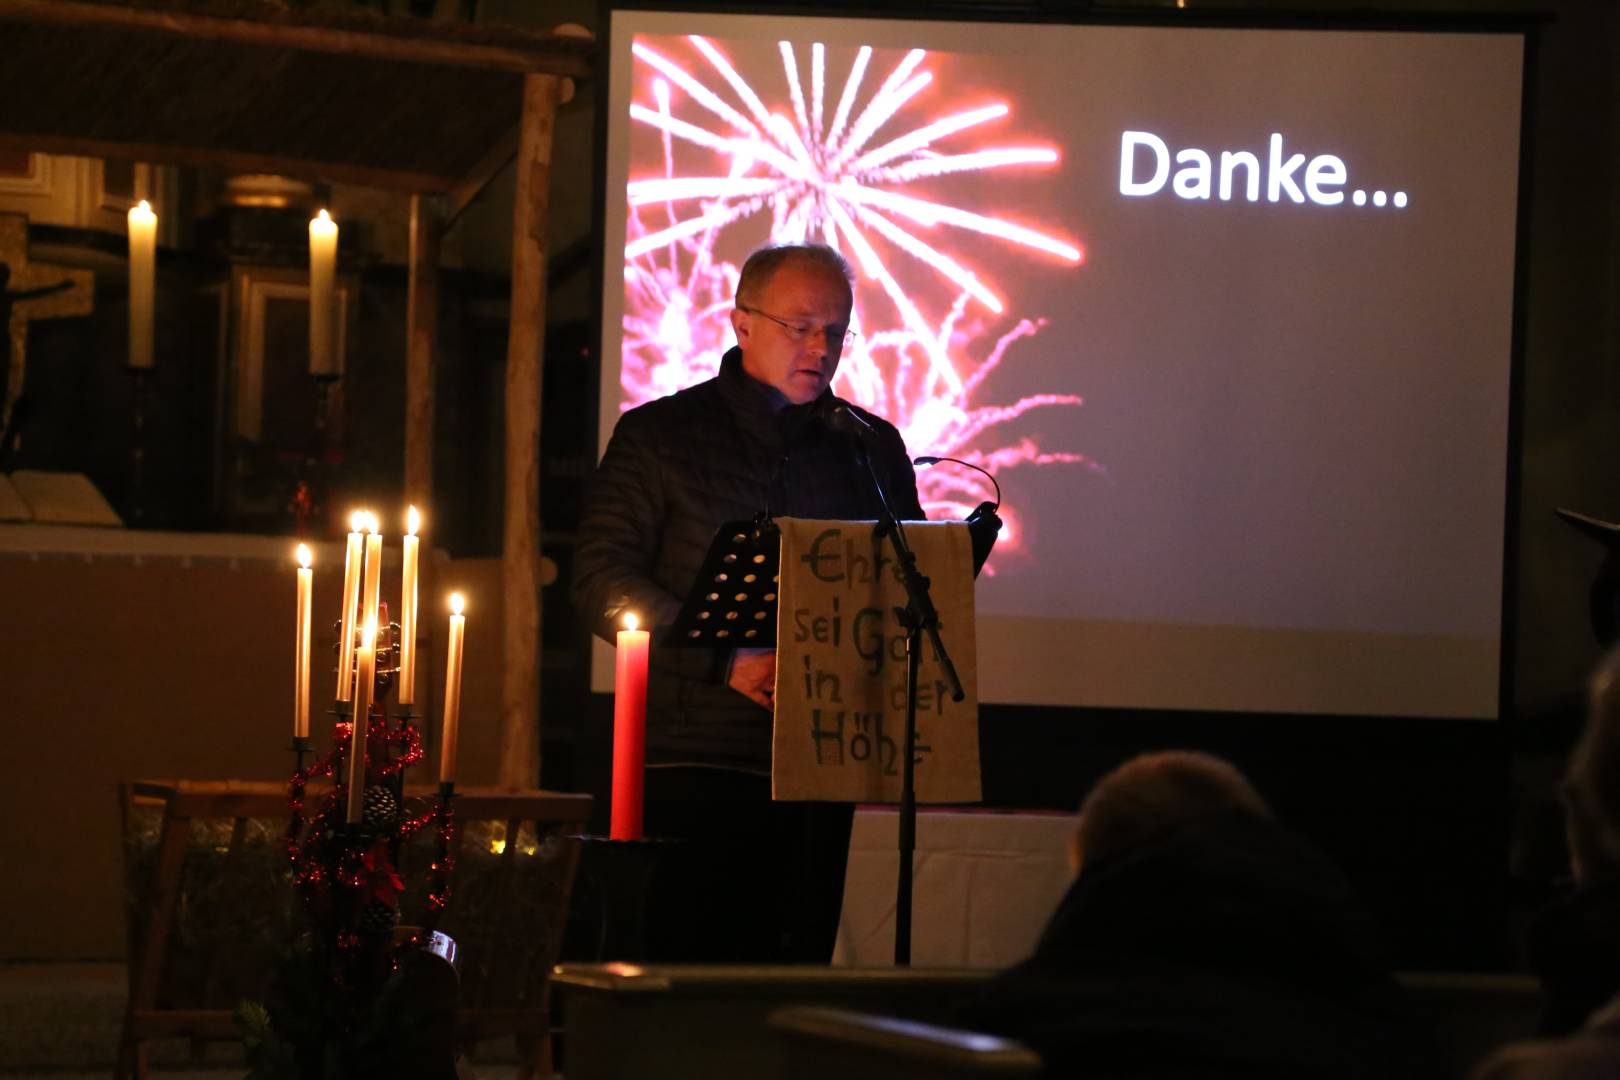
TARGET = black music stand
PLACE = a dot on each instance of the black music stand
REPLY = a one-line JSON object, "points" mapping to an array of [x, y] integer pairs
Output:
{"points": [[732, 604]]}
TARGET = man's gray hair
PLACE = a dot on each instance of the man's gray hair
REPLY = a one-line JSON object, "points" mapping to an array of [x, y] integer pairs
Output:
{"points": [[1154, 794], [1592, 784], [764, 263]]}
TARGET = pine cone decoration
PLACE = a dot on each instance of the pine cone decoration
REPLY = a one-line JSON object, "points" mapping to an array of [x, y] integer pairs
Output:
{"points": [[381, 809], [378, 918]]}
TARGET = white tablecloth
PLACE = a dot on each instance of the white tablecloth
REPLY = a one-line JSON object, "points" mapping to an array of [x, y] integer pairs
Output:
{"points": [[985, 883]]}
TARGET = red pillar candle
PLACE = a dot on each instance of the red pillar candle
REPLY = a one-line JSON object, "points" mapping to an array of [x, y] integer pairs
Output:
{"points": [[629, 730]]}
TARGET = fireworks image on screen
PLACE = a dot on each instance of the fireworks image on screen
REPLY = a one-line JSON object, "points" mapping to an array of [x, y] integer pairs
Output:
{"points": [[716, 171]]}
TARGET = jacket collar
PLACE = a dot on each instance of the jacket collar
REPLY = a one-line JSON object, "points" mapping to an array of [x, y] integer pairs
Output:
{"points": [[744, 391], [761, 409]]}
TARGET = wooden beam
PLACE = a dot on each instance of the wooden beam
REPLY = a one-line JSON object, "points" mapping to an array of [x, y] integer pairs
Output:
{"points": [[469, 187], [421, 343], [520, 549], [557, 54], [224, 158]]}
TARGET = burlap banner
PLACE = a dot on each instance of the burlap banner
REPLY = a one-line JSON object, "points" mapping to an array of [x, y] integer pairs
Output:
{"points": [[841, 666]]}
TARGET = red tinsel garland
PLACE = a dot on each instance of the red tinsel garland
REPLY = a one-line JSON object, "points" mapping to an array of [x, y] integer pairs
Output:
{"points": [[341, 869]]}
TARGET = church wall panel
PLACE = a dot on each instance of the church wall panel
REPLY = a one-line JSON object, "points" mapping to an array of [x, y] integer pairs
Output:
{"points": [[125, 664]]}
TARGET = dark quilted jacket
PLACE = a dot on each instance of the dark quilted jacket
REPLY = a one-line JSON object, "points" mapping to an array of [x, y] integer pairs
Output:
{"points": [[674, 470]]}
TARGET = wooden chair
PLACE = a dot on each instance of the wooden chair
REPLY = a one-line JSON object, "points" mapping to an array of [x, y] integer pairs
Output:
{"points": [[210, 906], [508, 911]]}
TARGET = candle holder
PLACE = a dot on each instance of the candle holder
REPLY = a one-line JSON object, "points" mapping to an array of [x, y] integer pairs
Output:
{"points": [[388, 654], [346, 840], [346, 871], [301, 745]]}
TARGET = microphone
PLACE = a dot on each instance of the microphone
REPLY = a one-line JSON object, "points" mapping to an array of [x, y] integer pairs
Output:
{"points": [[842, 418], [984, 524], [984, 508]]}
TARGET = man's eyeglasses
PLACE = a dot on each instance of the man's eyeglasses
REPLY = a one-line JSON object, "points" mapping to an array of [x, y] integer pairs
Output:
{"points": [[842, 336]]}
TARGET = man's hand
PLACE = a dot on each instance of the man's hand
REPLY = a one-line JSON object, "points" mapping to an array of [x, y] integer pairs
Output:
{"points": [[753, 675]]}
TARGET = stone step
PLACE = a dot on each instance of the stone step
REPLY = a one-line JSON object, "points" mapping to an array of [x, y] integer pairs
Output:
{"points": [[62, 1020], [60, 1015]]}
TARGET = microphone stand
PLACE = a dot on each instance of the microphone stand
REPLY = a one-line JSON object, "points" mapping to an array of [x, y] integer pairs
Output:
{"points": [[919, 617]]}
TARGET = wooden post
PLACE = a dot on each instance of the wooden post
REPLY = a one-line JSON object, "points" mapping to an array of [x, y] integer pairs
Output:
{"points": [[421, 339], [520, 552]]}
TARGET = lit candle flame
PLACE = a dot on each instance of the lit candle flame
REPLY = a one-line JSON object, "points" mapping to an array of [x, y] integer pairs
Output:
{"points": [[456, 603], [373, 526], [323, 215], [413, 520], [304, 556], [357, 521], [145, 210], [630, 621]]}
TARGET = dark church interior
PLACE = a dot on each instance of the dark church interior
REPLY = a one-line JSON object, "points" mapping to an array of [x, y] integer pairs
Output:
{"points": [[1360, 849]]}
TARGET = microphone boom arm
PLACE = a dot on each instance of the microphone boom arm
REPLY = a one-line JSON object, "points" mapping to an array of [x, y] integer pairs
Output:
{"points": [[920, 615]]}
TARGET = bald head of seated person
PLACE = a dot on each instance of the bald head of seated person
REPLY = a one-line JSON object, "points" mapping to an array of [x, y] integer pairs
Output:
{"points": [[1201, 938]]}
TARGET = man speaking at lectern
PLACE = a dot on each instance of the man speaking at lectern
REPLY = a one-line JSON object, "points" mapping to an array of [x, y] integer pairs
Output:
{"points": [[761, 435]]}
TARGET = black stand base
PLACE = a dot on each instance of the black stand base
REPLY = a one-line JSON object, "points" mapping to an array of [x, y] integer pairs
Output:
{"points": [[616, 890]]}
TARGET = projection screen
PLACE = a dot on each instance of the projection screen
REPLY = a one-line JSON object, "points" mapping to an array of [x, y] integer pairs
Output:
{"points": [[1228, 312]]}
